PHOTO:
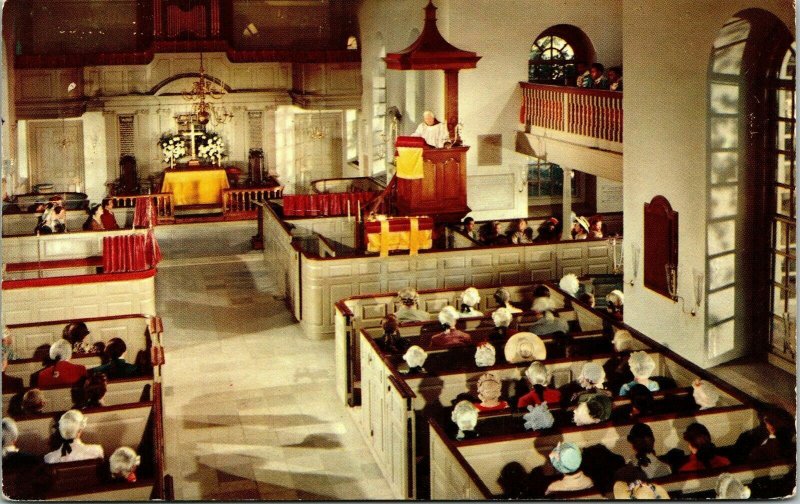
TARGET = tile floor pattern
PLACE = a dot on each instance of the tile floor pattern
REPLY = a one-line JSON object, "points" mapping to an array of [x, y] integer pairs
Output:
{"points": [[250, 408]]}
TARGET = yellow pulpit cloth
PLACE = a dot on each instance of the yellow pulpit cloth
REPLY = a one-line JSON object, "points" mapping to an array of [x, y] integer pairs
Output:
{"points": [[399, 233], [409, 163], [195, 187]]}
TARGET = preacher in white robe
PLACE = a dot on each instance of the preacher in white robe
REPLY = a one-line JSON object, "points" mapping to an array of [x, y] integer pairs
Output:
{"points": [[435, 133]]}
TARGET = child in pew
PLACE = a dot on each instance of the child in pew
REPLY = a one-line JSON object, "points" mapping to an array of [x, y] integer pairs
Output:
{"points": [[567, 459], [33, 402], [123, 464], [642, 366], [615, 301], [392, 341], [70, 427], [116, 367], [62, 372], [90, 391], [702, 451], [643, 441], [513, 481], [600, 464]]}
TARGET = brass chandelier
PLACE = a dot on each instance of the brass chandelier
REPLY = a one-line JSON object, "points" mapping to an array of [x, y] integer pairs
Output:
{"points": [[201, 91]]}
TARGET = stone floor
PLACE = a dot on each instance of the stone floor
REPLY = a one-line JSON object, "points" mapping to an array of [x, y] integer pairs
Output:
{"points": [[250, 408]]}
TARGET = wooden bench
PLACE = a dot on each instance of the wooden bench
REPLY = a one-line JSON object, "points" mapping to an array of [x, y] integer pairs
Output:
{"points": [[392, 402], [28, 338], [109, 426], [72, 245], [122, 391], [363, 312], [138, 425], [488, 454]]}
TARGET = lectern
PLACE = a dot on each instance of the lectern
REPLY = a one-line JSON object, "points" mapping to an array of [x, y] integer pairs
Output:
{"points": [[442, 191]]}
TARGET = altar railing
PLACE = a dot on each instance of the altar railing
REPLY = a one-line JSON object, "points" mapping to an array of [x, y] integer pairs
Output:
{"points": [[241, 203], [163, 204], [593, 113]]}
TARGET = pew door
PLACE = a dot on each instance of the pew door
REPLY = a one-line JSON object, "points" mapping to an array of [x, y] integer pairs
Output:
{"points": [[399, 437]]}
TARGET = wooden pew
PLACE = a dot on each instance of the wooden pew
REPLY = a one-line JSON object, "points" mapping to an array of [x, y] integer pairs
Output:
{"points": [[392, 401], [24, 368], [38, 300], [109, 426], [122, 391], [73, 245], [488, 454], [27, 338], [360, 312], [687, 485], [138, 425], [23, 224]]}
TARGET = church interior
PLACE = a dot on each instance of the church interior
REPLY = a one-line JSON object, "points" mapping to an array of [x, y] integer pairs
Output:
{"points": [[398, 249]]}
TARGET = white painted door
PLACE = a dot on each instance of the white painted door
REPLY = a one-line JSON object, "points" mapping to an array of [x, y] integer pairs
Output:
{"points": [[55, 154]]}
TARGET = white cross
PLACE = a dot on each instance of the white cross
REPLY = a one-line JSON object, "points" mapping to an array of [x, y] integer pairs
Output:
{"points": [[192, 134]]}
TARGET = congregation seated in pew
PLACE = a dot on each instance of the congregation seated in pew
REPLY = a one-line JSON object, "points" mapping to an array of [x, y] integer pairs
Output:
{"points": [[597, 467]]}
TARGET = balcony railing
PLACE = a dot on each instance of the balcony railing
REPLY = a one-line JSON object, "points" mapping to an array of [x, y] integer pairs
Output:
{"points": [[591, 113], [241, 203], [163, 204]]}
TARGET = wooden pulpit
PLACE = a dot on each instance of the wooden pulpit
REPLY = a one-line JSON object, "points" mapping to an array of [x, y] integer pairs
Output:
{"points": [[442, 191]]}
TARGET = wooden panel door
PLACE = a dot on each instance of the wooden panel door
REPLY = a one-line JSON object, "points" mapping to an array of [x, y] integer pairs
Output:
{"points": [[55, 153]]}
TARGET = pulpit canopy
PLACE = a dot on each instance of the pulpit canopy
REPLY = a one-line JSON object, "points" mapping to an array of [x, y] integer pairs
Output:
{"points": [[431, 51]]}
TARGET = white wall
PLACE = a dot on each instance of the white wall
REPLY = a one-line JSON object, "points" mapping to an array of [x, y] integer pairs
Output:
{"points": [[94, 155], [489, 96], [667, 49]]}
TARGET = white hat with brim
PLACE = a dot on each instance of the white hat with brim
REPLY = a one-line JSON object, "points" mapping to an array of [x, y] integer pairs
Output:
{"points": [[524, 347]]}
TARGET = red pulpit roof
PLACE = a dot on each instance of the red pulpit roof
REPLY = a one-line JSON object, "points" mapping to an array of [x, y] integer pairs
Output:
{"points": [[431, 51]]}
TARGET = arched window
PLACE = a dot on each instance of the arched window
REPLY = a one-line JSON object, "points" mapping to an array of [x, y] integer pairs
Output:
{"points": [[555, 52], [784, 211], [750, 185]]}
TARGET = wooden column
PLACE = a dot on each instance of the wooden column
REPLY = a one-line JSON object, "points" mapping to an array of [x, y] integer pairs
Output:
{"points": [[566, 205], [451, 100]]}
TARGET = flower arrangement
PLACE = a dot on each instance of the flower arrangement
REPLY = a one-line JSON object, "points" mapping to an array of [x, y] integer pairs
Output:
{"points": [[211, 147], [173, 147]]}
